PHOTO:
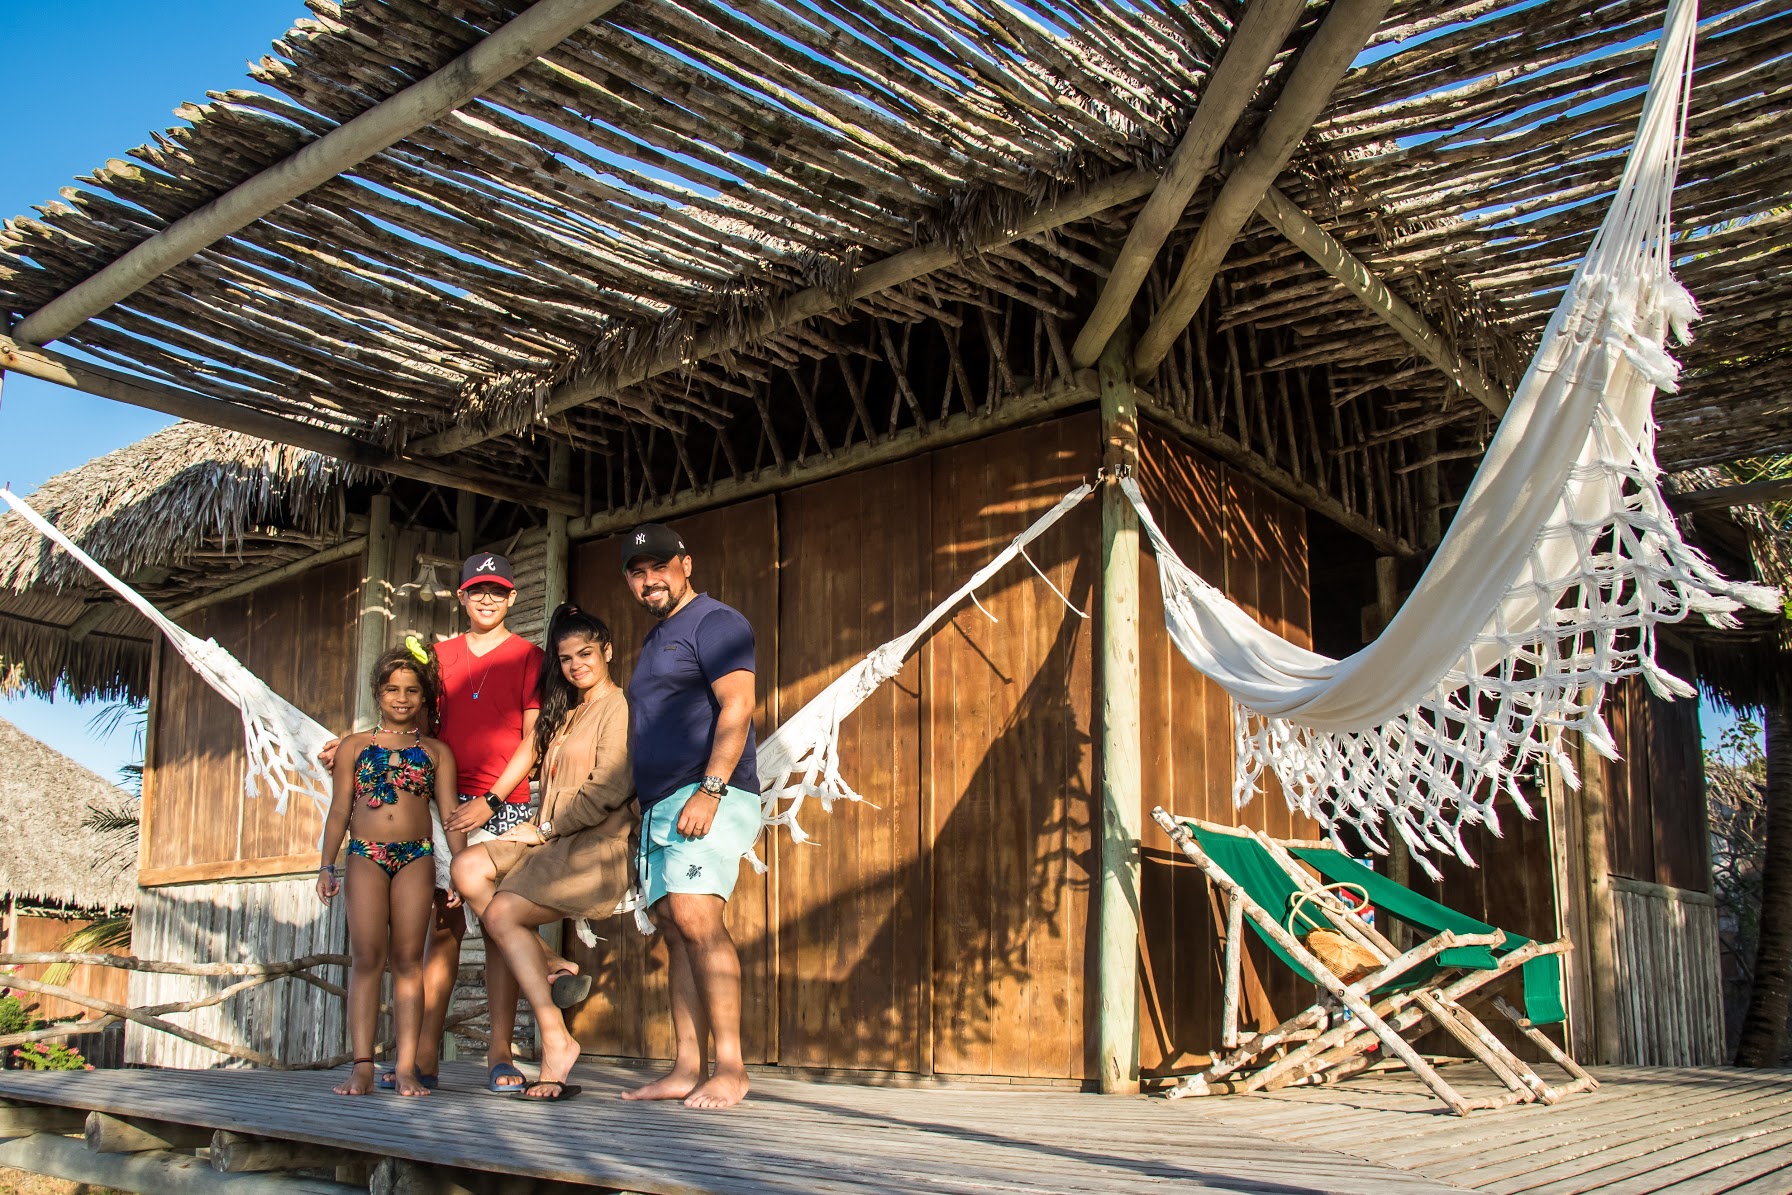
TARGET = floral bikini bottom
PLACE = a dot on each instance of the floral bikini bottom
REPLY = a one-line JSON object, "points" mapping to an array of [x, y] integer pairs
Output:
{"points": [[393, 857]]}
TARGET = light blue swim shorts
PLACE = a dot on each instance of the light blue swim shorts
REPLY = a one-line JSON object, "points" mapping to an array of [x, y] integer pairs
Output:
{"points": [[671, 862]]}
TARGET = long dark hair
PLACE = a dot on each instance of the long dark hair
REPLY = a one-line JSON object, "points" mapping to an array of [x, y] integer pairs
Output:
{"points": [[420, 658], [558, 696]]}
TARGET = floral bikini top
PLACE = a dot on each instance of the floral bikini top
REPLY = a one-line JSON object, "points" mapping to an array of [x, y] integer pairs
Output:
{"points": [[382, 774]]}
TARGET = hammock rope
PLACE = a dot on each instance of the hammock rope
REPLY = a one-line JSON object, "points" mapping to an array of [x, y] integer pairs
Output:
{"points": [[1560, 564]]}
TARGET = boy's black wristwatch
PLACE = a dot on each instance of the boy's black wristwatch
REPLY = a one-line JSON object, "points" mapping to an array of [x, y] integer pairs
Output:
{"points": [[715, 786]]}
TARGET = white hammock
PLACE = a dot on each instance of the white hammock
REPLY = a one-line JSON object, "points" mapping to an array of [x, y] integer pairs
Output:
{"points": [[801, 759], [281, 739], [1559, 564]]}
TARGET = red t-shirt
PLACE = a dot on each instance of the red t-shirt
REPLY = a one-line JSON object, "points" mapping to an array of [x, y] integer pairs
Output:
{"points": [[483, 699]]}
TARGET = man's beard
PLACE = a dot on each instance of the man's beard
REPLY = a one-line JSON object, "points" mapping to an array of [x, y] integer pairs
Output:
{"points": [[646, 601]]}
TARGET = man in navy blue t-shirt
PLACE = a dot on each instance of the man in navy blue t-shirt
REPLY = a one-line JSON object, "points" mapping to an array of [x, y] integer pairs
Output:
{"points": [[693, 749]]}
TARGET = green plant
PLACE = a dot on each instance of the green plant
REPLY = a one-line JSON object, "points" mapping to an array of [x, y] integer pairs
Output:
{"points": [[49, 1056], [15, 1014]]}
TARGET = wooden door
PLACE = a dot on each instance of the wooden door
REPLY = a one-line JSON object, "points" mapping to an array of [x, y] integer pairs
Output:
{"points": [[853, 902], [1010, 767]]}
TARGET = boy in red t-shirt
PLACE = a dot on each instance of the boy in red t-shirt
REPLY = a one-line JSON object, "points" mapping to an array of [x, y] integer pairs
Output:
{"points": [[488, 709]]}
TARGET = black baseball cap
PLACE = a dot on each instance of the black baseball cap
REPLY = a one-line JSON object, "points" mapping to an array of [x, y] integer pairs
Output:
{"points": [[482, 567], [654, 540]]}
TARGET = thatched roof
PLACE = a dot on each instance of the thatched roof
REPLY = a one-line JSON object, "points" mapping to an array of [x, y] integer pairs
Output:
{"points": [[678, 168], [179, 513], [46, 853]]}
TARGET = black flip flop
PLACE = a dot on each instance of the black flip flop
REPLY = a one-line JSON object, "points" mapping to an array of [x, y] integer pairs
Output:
{"points": [[569, 989], [564, 1092]]}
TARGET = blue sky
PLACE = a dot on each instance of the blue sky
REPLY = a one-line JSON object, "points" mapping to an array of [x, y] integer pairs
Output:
{"points": [[83, 81]]}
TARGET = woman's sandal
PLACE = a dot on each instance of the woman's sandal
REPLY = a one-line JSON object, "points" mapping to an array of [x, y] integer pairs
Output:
{"points": [[563, 1092], [568, 988], [506, 1070]]}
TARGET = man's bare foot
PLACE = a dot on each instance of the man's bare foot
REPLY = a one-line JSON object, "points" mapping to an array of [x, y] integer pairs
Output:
{"points": [[675, 1084], [557, 1060], [409, 1084], [726, 1088], [359, 1081]]}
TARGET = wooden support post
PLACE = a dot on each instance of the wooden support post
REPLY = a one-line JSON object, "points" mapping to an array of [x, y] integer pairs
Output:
{"points": [[237, 1153], [1234, 970], [559, 477], [22, 1120], [1601, 948], [466, 523], [1430, 496], [376, 615], [108, 1134], [1122, 813], [156, 1172]]}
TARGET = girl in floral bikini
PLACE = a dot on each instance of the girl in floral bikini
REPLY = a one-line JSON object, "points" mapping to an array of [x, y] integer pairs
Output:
{"points": [[384, 781]]}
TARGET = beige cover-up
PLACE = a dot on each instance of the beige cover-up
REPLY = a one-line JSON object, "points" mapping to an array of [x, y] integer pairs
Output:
{"points": [[587, 792]]}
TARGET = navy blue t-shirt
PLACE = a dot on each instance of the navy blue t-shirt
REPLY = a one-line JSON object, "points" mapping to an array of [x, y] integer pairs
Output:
{"points": [[672, 708]]}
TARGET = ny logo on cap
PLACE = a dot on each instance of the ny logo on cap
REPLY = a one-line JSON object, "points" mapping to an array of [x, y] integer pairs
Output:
{"points": [[486, 565], [640, 537]]}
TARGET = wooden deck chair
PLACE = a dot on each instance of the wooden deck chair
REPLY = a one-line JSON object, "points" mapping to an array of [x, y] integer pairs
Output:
{"points": [[1332, 1038]]}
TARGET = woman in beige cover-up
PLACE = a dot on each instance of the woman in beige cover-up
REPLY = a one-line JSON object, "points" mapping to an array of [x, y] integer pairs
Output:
{"points": [[573, 860]]}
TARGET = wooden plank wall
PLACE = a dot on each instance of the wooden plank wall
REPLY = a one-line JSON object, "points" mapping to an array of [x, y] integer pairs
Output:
{"points": [[1252, 545], [1670, 995], [1010, 769], [249, 921], [1656, 792], [198, 825], [33, 932], [854, 902], [734, 554]]}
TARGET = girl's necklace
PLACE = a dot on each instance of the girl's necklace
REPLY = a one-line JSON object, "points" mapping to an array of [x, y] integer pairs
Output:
{"points": [[480, 687], [393, 754]]}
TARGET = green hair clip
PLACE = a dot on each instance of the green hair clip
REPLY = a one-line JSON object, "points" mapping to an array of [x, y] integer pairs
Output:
{"points": [[414, 645]]}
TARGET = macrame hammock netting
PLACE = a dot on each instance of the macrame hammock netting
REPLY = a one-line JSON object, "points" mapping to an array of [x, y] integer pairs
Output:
{"points": [[1561, 561]]}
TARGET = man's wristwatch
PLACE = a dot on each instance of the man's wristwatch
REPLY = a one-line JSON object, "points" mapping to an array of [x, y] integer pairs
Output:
{"points": [[546, 830], [715, 786], [492, 800]]}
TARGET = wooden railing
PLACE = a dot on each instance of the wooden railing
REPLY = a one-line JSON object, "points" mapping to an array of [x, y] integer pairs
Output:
{"points": [[248, 975]]}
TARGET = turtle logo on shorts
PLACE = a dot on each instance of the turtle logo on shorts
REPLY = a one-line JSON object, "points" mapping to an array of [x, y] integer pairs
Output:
{"points": [[693, 871]]}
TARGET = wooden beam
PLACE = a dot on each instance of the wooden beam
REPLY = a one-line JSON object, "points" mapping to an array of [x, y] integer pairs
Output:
{"points": [[804, 304], [1122, 800], [1600, 955], [92, 617], [1342, 35], [342, 551], [1255, 41], [1775, 489], [955, 429], [499, 54], [1227, 449], [108, 1134], [1305, 234], [184, 404]]}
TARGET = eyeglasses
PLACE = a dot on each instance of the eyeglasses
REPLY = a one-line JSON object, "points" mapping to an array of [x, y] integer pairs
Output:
{"points": [[487, 594]]}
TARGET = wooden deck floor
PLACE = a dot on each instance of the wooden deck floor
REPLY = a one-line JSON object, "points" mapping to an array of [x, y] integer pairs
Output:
{"points": [[1644, 1131], [1689, 1132]]}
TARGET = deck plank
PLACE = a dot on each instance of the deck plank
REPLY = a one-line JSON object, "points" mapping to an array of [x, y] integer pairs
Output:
{"points": [[1645, 1131], [789, 1137]]}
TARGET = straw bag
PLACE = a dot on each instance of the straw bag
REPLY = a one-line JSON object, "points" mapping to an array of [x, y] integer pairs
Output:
{"points": [[1344, 957]]}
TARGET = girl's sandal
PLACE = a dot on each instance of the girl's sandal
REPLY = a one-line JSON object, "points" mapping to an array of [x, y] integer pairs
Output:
{"points": [[562, 1092]]}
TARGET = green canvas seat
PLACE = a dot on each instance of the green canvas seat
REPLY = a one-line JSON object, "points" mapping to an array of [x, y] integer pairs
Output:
{"points": [[1543, 1002]]}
